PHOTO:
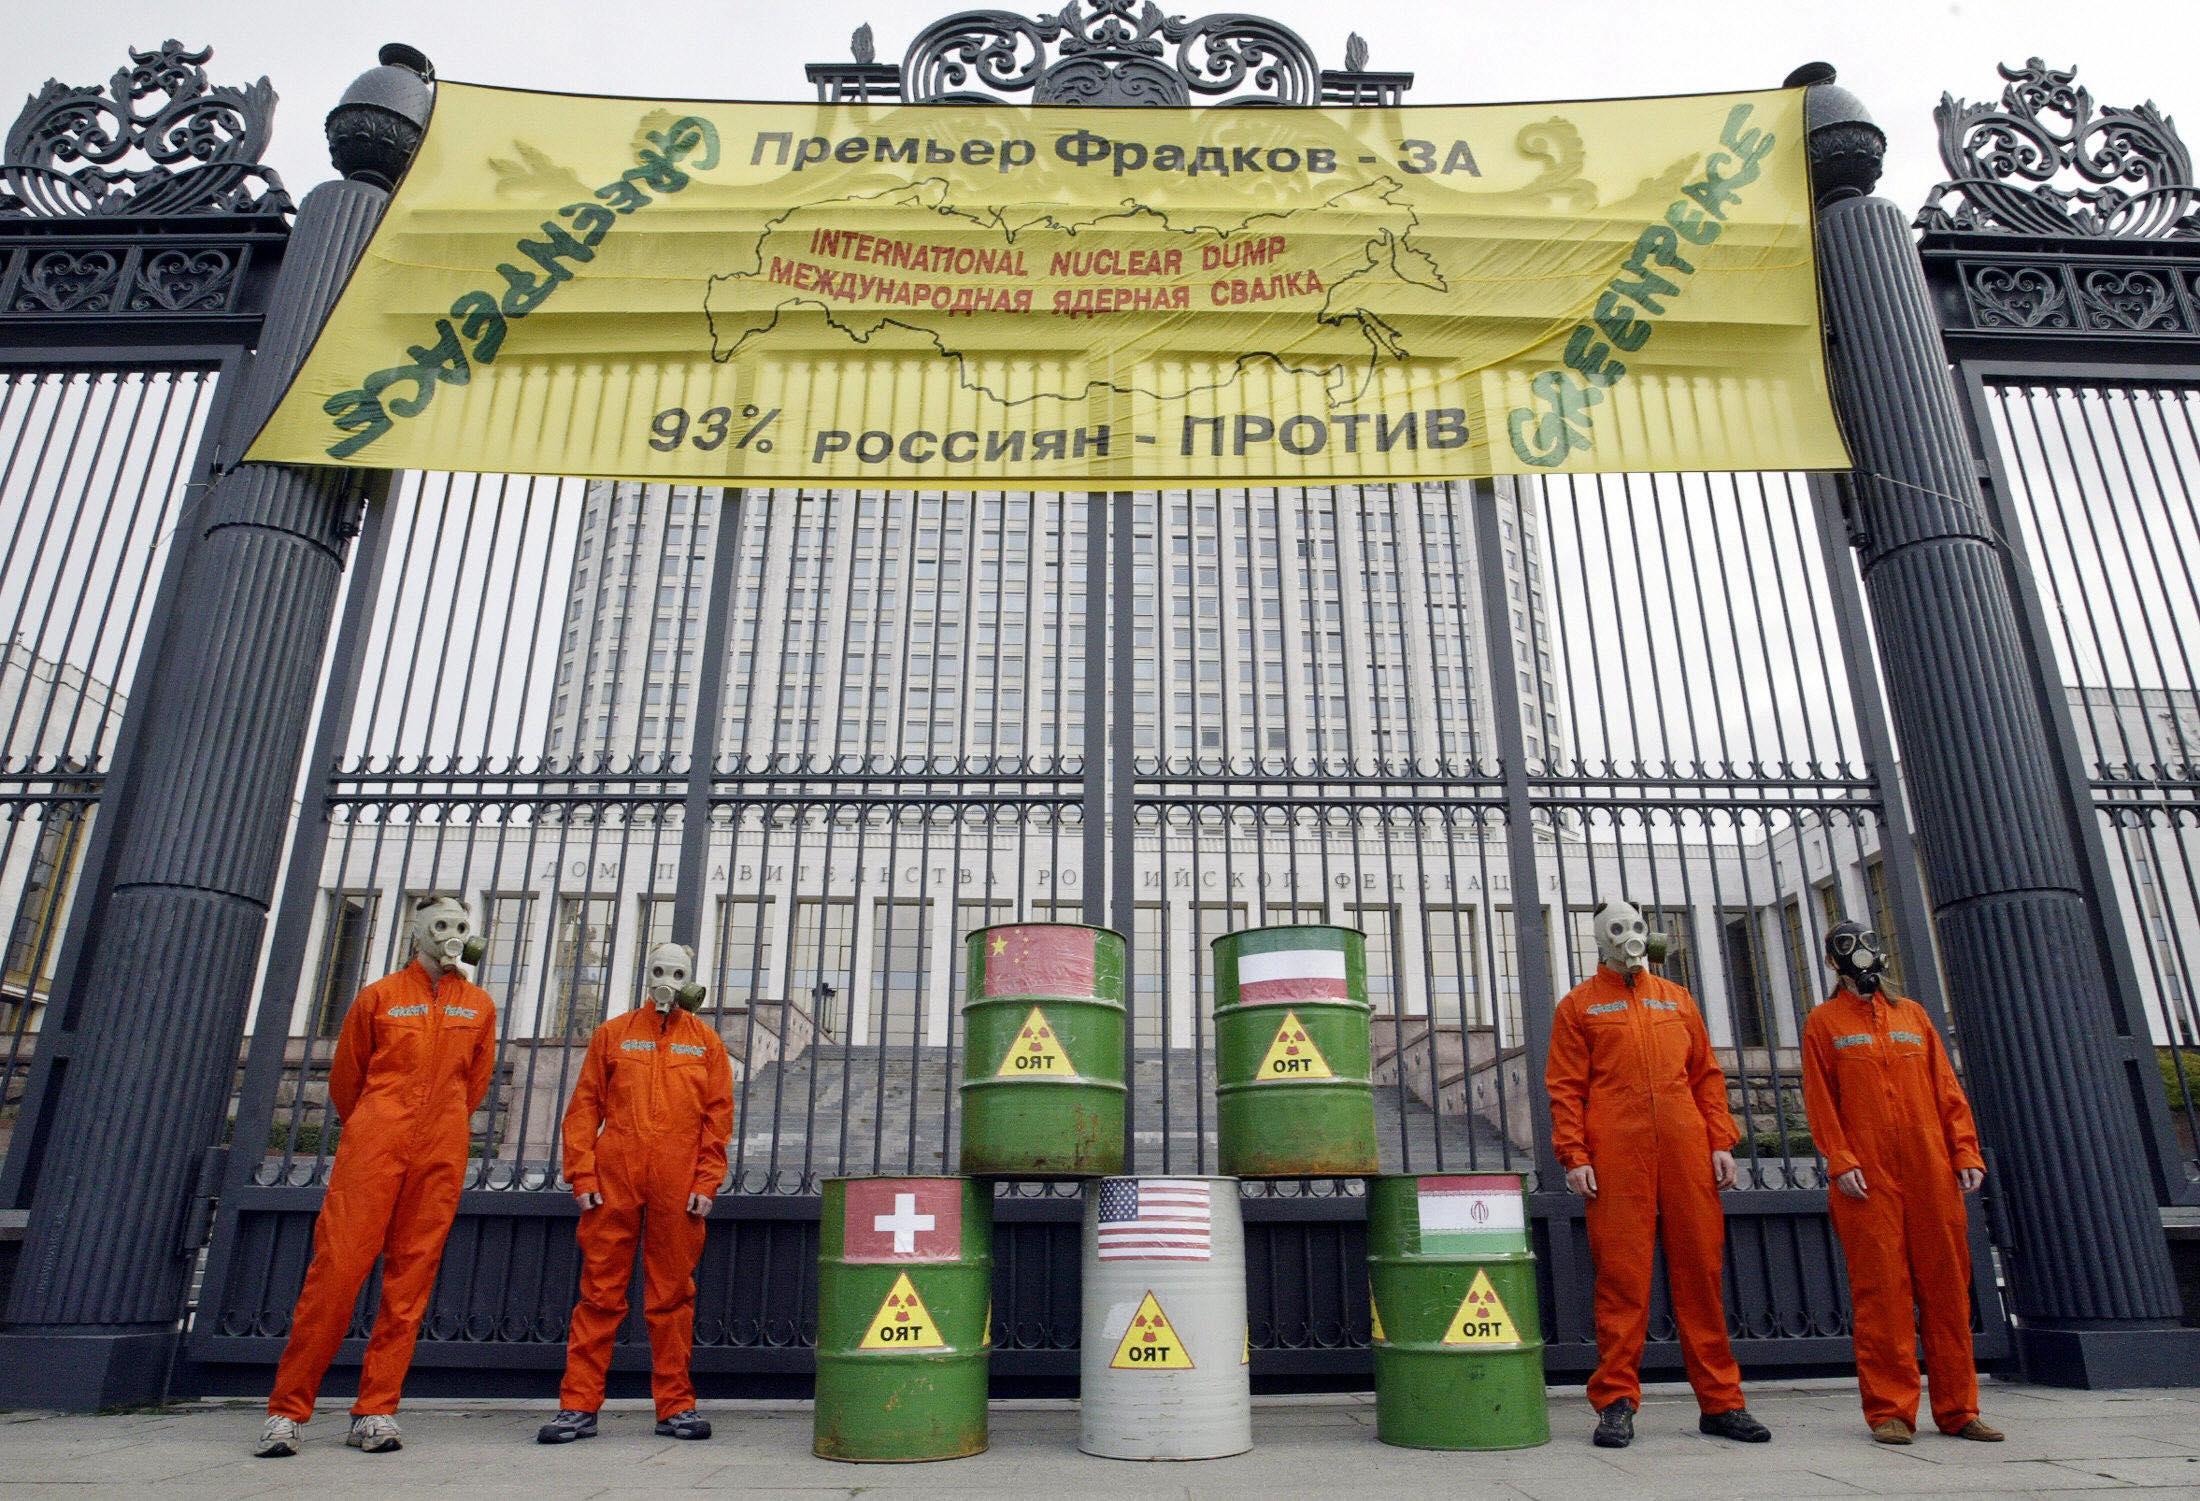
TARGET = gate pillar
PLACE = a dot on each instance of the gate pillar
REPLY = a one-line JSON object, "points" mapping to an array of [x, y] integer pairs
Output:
{"points": [[166, 976], [2091, 1287]]}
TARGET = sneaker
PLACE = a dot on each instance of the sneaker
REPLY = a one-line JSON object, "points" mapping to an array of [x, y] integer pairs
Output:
{"points": [[569, 1426], [278, 1440], [689, 1424], [1737, 1425], [1615, 1425], [375, 1433], [1978, 1432], [1893, 1431]]}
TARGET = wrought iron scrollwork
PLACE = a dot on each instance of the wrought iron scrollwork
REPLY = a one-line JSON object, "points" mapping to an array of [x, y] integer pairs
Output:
{"points": [[2003, 161], [1122, 52], [67, 154]]}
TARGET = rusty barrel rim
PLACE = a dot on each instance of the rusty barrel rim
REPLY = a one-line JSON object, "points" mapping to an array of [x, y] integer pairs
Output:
{"points": [[878, 1402]]}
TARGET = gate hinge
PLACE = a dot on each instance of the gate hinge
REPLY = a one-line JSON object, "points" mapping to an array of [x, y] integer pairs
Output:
{"points": [[198, 1225]]}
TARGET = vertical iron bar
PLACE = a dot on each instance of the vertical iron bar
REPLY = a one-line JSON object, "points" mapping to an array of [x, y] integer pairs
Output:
{"points": [[1122, 807], [687, 905], [1096, 724]]}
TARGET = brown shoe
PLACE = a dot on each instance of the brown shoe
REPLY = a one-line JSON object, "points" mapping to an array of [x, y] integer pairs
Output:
{"points": [[1978, 1432], [1893, 1431]]}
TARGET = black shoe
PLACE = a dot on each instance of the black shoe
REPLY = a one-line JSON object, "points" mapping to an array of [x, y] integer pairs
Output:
{"points": [[567, 1427], [689, 1424], [1615, 1425], [1737, 1425]]}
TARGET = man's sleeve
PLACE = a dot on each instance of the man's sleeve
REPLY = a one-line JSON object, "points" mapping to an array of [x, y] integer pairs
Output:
{"points": [[1707, 1082], [1822, 1100], [485, 1059], [584, 1118], [347, 1070], [710, 1149], [1566, 1077], [1956, 1123]]}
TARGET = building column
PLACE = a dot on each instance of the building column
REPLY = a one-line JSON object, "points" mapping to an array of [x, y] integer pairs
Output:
{"points": [[92, 1320], [2089, 1270]]}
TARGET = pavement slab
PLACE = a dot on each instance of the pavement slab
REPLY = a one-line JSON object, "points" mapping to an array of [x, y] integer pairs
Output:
{"points": [[1303, 1446]]}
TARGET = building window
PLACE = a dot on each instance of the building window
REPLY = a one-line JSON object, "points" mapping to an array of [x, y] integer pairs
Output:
{"points": [[1380, 923], [1882, 910], [901, 964], [823, 953], [1745, 992], [36, 936], [580, 966], [1453, 989], [347, 941]]}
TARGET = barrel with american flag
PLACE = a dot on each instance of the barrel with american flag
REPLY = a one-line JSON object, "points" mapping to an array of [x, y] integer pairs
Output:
{"points": [[1292, 1053], [1043, 1026]]}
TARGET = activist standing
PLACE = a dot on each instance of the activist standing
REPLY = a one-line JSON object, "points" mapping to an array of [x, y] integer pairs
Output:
{"points": [[645, 1153], [412, 1065], [1640, 1123], [1889, 1117]]}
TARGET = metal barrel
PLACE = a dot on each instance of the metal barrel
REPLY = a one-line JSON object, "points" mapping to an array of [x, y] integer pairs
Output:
{"points": [[1163, 1369], [1458, 1332], [904, 1289], [1292, 1055], [1043, 1019]]}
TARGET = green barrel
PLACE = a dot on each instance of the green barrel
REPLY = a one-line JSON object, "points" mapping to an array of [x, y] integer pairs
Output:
{"points": [[1459, 1334], [1293, 1097], [904, 1327], [1042, 1090]]}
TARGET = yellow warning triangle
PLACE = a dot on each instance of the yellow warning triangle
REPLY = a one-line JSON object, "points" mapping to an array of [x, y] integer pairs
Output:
{"points": [[1375, 1319], [1481, 1319], [1150, 1344], [903, 1322], [988, 1340], [1036, 1052], [1292, 1055]]}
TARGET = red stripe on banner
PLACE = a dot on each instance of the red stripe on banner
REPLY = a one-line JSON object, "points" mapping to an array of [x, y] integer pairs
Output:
{"points": [[1298, 988], [1472, 1183]]}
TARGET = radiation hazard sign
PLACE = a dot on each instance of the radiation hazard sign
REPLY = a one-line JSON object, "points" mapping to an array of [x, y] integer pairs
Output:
{"points": [[1292, 1055], [903, 1322], [1150, 1343], [1036, 1052], [1481, 1319]]}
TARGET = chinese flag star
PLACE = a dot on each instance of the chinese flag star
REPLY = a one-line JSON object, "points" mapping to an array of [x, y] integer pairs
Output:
{"points": [[1040, 959]]}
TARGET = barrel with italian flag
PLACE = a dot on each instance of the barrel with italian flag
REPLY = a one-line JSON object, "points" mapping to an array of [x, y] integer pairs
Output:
{"points": [[1043, 1027], [1293, 1097]]}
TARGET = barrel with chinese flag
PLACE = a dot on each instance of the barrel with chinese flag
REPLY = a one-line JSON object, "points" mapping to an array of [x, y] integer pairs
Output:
{"points": [[1292, 1053], [1458, 1330], [1043, 1025], [904, 1318]]}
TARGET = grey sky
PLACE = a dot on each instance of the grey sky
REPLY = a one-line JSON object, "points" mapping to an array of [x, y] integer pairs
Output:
{"points": [[1898, 54]]}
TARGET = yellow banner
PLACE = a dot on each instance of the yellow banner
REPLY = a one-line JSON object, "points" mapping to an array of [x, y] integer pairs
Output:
{"points": [[992, 296]]}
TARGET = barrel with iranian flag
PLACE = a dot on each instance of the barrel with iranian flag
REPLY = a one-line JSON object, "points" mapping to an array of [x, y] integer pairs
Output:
{"points": [[1458, 1329], [1043, 1026], [1293, 1098]]}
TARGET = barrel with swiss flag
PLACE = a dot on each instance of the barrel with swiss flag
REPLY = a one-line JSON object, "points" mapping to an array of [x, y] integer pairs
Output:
{"points": [[1043, 1027], [1292, 1053]]}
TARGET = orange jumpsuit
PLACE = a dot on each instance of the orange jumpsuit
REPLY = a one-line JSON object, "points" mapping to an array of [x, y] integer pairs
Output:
{"points": [[1883, 1097], [411, 1067], [659, 1087], [1636, 1094]]}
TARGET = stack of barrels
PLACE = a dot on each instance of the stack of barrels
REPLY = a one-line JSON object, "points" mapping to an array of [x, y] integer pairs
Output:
{"points": [[905, 1264]]}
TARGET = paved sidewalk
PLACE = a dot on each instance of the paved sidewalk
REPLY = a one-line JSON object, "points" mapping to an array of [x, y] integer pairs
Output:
{"points": [[2059, 1441]]}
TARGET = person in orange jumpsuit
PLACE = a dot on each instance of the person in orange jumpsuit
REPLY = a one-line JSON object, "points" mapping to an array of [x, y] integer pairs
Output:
{"points": [[1639, 1122], [645, 1152], [1889, 1116], [412, 1065]]}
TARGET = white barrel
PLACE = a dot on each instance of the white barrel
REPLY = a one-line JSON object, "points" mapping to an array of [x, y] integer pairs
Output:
{"points": [[1163, 1368]]}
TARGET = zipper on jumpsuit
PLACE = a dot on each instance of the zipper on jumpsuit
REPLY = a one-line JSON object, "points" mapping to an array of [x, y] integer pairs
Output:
{"points": [[435, 1056], [1638, 1017]]}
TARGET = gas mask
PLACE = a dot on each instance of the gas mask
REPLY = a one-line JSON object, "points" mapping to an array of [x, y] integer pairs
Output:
{"points": [[1623, 938], [668, 978], [442, 935], [1858, 955]]}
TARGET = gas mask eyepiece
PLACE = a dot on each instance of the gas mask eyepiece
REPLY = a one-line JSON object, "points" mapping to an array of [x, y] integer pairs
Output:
{"points": [[442, 934], [1858, 955], [1623, 937], [668, 978]]}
